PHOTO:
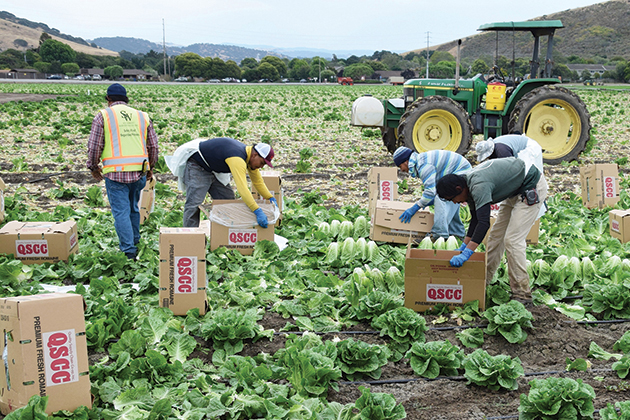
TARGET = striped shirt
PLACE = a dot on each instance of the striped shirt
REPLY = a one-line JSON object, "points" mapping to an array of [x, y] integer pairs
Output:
{"points": [[433, 165], [96, 143]]}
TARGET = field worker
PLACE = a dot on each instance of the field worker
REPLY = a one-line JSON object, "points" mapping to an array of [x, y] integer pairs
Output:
{"points": [[521, 189], [511, 145], [204, 166], [123, 139], [429, 167]]}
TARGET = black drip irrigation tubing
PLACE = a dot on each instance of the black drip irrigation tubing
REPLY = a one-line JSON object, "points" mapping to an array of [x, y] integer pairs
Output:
{"points": [[51, 175], [378, 332], [455, 378]]}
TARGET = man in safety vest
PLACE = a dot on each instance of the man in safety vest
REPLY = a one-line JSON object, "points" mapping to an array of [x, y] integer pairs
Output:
{"points": [[124, 141]]}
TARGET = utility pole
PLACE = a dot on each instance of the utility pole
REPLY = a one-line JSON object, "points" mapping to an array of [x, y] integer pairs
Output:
{"points": [[164, 46], [428, 54]]}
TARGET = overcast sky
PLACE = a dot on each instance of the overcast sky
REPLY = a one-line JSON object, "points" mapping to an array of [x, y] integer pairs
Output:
{"points": [[393, 25]]}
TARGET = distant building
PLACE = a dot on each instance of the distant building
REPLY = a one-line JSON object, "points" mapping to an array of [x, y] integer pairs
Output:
{"points": [[385, 75], [592, 68], [21, 74], [133, 74], [92, 72]]}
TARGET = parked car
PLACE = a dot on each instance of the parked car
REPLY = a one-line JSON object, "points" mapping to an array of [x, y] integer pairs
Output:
{"points": [[79, 77], [54, 77], [96, 77], [303, 81], [213, 81], [181, 79]]}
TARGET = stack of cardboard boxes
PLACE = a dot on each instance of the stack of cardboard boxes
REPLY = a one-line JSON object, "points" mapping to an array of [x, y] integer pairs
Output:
{"points": [[385, 211], [600, 185], [600, 189]]}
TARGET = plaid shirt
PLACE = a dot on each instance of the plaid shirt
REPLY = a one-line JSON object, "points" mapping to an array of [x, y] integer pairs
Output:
{"points": [[96, 143]]}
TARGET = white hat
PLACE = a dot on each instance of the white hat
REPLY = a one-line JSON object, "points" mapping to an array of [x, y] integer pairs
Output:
{"points": [[484, 149]]}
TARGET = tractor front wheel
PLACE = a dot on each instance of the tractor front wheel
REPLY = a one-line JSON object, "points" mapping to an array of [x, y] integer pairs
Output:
{"points": [[390, 138], [436, 123], [556, 118]]}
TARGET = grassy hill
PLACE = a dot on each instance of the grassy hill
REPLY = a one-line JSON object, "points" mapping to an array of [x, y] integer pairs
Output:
{"points": [[13, 28], [600, 30]]}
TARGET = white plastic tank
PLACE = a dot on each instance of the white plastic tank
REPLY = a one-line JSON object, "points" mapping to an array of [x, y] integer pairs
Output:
{"points": [[367, 111]]}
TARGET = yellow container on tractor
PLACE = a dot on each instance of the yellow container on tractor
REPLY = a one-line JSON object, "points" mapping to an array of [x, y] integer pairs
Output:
{"points": [[495, 96]]}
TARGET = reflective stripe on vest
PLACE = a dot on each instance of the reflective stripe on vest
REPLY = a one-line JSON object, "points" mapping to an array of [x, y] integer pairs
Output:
{"points": [[132, 155]]}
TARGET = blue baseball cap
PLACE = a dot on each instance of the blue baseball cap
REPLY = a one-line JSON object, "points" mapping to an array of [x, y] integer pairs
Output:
{"points": [[116, 89]]}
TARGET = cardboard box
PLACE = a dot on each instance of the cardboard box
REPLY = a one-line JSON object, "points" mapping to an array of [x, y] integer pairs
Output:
{"points": [[532, 236], [183, 269], [430, 279], [273, 181], [2, 188], [39, 242], [620, 225], [600, 185], [382, 185], [146, 203], [44, 350], [243, 231], [387, 227]]}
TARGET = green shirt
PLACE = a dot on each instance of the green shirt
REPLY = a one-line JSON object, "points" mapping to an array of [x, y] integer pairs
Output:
{"points": [[497, 179]]}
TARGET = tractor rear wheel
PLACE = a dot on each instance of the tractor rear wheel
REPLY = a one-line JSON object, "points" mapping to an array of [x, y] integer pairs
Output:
{"points": [[390, 139], [434, 123], [557, 119]]}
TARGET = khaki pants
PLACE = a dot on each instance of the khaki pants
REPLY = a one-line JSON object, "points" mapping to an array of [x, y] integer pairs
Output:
{"points": [[508, 234]]}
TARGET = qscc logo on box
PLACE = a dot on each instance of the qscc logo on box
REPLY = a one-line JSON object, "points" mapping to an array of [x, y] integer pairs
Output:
{"points": [[186, 275], [242, 237], [31, 248], [447, 293], [73, 240], [387, 190], [60, 357], [615, 226], [610, 187]]}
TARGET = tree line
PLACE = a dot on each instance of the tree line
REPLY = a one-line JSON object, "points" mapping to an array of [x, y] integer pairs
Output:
{"points": [[53, 56]]}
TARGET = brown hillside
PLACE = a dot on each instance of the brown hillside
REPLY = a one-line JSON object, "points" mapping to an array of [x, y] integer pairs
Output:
{"points": [[599, 30], [10, 31]]}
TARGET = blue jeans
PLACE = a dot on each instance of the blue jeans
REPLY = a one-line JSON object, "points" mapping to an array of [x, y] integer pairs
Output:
{"points": [[123, 199], [446, 219], [200, 182]]}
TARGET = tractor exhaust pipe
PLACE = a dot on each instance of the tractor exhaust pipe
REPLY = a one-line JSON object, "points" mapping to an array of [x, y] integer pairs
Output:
{"points": [[459, 44]]}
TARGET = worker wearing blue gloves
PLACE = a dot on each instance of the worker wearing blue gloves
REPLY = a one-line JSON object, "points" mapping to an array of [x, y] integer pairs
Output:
{"points": [[208, 165], [521, 189], [429, 167]]}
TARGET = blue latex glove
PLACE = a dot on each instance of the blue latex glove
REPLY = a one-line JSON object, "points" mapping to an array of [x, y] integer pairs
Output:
{"points": [[408, 214], [273, 201], [261, 217], [459, 260], [462, 247]]}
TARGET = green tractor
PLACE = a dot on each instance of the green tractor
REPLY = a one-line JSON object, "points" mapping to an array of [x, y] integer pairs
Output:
{"points": [[445, 114]]}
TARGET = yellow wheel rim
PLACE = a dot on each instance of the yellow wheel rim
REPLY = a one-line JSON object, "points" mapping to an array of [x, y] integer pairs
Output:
{"points": [[437, 130], [555, 125]]}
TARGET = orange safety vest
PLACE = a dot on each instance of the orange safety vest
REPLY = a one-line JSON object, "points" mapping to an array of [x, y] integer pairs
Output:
{"points": [[125, 139]]}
